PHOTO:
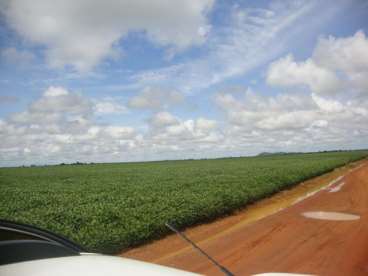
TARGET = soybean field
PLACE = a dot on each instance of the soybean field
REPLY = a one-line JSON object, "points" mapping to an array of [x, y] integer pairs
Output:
{"points": [[109, 207]]}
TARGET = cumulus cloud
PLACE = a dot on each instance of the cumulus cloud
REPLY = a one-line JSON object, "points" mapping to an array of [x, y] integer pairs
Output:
{"points": [[60, 100], [82, 33], [155, 98], [291, 121], [287, 72], [255, 112], [334, 79], [162, 119], [340, 95], [119, 132], [329, 108], [56, 106], [109, 106], [348, 54], [167, 132], [338, 65], [61, 126]]}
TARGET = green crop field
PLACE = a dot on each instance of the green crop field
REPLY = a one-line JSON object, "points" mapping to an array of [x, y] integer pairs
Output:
{"points": [[109, 207]]}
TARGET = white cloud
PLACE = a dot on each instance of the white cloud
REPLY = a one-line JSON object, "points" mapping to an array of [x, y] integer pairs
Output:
{"points": [[252, 111], [205, 124], [287, 72], [82, 33], [328, 105], [163, 118], [252, 37], [119, 132], [53, 91], [337, 66], [166, 130], [109, 106], [291, 121], [52, 133], [59, 100], [155, 98], [61, 126], [348, 54]]}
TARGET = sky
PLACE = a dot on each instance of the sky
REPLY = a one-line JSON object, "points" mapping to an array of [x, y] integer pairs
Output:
{"points": [[119, 80]]}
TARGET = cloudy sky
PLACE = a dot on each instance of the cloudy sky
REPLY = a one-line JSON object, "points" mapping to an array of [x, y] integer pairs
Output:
{"points": [[120, 80]]}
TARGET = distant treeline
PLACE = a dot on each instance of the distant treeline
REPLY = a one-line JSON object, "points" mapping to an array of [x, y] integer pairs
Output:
{"points": [[300, 152], [193, 159]]}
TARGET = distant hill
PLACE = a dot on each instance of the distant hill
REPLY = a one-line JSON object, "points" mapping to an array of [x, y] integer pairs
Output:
{"points": [[295, 152], [274, 153]]}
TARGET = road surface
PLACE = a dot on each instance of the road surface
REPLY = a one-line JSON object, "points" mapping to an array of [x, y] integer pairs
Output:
{"points": [[324, 232]]}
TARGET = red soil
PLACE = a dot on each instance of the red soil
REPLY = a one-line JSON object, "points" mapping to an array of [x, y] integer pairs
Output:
{"points": [[262, 239]]}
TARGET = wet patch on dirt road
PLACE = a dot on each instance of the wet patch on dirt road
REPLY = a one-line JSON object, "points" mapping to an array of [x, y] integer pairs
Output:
{"points": [[281, 274], [337, 216], [336, 188]]}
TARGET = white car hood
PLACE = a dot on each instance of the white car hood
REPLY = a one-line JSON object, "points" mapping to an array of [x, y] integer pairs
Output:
{"points": [[88, 264]]}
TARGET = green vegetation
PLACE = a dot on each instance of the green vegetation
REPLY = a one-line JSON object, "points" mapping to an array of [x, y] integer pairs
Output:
{"points": [[108, 207]]}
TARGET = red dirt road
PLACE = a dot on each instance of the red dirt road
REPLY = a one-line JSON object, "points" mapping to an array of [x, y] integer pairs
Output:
{"points": [[285, 241]]}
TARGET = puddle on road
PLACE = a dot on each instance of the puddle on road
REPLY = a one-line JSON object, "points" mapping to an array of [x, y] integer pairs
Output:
{"points": [[330, 215], [281, 274], [336, 188]]}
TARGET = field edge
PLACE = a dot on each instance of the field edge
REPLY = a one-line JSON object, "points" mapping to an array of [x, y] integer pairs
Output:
{"points": [[248, 214]]}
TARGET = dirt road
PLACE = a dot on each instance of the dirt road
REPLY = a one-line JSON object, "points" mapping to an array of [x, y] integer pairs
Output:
{"points": [[317, 231]]}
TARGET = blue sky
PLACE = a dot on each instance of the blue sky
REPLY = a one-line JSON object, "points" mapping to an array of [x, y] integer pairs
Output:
{"points": [[150, 80]]}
